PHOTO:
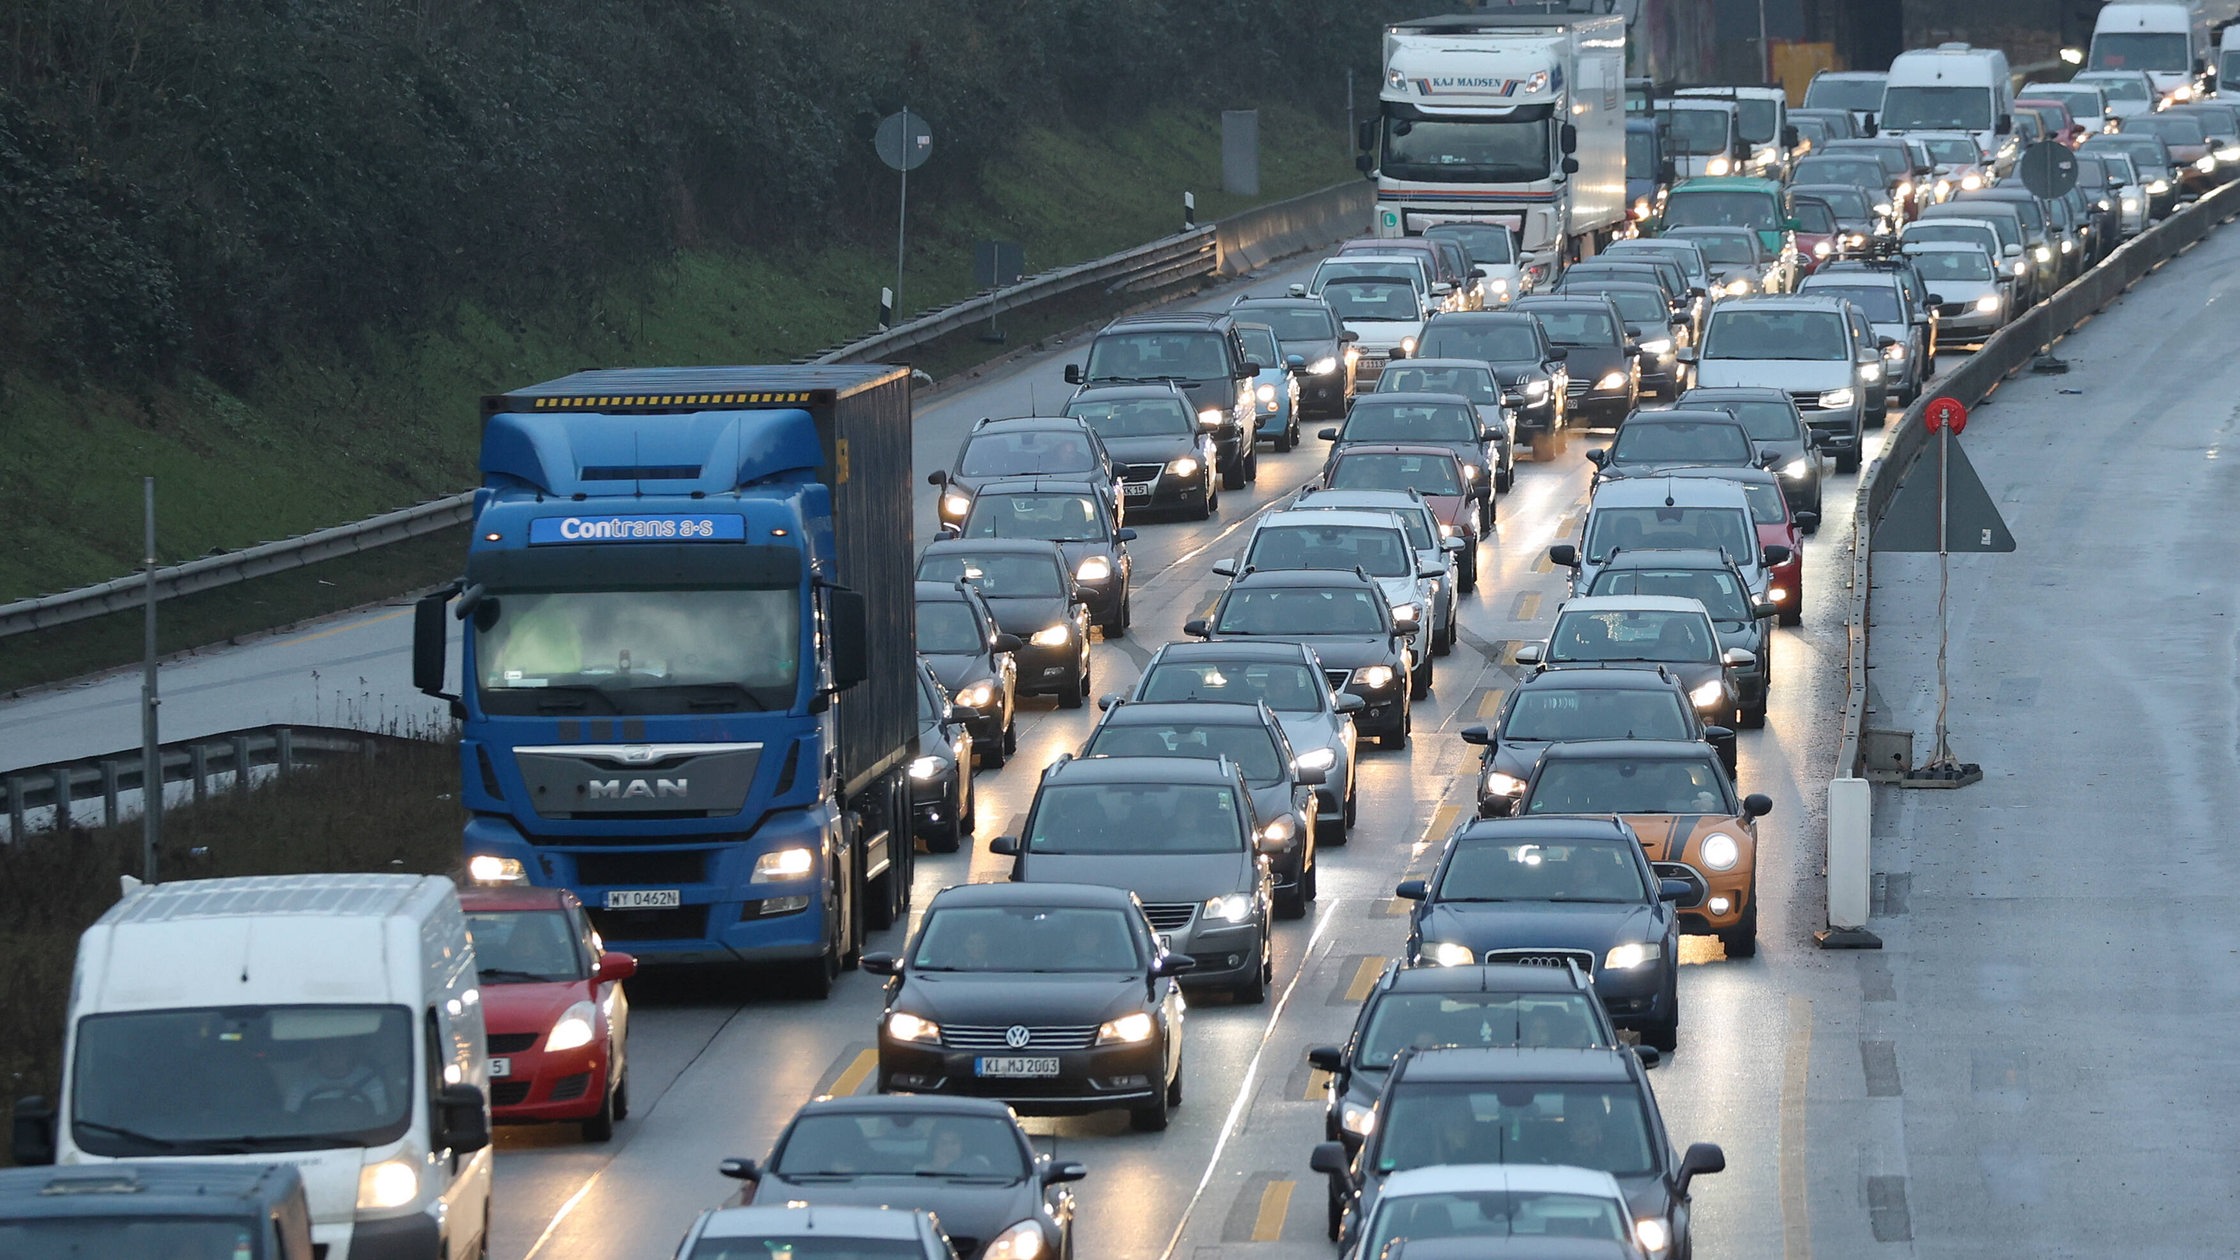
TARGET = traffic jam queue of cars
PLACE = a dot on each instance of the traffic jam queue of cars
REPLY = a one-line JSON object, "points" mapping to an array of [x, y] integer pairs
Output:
{"points": [[1790, 276]]}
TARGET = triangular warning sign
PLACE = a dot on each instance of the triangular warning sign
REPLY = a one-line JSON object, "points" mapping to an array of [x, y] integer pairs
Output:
{"points": [[1972, 520]]}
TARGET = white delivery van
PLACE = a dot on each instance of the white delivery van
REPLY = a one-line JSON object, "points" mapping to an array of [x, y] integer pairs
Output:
{"points": [[2228, 60], [1953, 87], [2168, 40], [331, 1022]]}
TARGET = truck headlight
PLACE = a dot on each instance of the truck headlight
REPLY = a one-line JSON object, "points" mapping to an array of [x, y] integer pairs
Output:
{"points": [[1267, 393], [1652, 1233], [783, 864], [955, 504], [1022, 1241], [923, 769], [1499, 784], [1796, 468], [573, 1029], [1375, 677], [1448, 954], [1093, 569], [1611, 380], [1323, 366], [392, 1183], [978, 696], [1127, 1030], [1632, 954], [1710, 695], [1357, 1119], [486, 868], [1231, 908], [1720, 852], [1835, 398], [1211, 417], [1052, 636], [1184, 466], [903, 1026]]}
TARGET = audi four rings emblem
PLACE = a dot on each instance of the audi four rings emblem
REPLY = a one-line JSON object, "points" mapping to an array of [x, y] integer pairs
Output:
{"points": [[1017, 1036]]}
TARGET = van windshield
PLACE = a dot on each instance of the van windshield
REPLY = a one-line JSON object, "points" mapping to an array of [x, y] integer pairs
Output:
{"points": [[239, 1079], [2140, 50], [1936, 109], [74, 1237]]}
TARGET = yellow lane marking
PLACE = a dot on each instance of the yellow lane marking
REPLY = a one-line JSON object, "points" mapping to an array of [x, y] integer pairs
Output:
{"points": [[1442, 822], [1796, 1068], [852, 1079], [1274, 1202], [347, 626], [1528, 606], [1318, 1085], [1489, 704], [1543, 564], [1365, 977]]}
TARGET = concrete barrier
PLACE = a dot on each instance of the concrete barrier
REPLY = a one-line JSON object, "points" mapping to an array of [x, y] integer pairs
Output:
{"points": [[1253, 239]]}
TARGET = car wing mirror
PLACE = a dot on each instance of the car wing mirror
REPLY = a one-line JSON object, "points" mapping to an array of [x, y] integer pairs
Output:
{"points": [[740, 1168], [1004, 846], [1412, 890], [1764, 608], [1198, 628], [880, 964], [1674, 890], [1073, 374], [1057, 1171], [1326, 1059], [1808, 519], [1007, 643], [1123, 534], [1173, 965], [1651, 1057], [1224, 568], [1757, 805], [1778, 554], [1478, 735], [1702, 1158], [614, 966], [1738, 658], [1564, 554], [1350, 703], [1529, 653], [1330, 1158], [1309, 776]]}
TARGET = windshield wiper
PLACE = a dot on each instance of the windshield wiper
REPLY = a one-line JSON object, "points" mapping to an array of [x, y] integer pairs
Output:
{"points": [[134, 1135]]}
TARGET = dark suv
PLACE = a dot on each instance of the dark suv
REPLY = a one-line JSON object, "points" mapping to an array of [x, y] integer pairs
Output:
{"points": [[1201, 352], [1023, 446]]}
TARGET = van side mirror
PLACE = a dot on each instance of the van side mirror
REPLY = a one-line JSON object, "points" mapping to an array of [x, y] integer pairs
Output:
{"points": [[466, 1118], [1789, 136], [431, 642], [848, 618], [1365, 134], [1366, 164], [31, 1132], [1073, 374]]}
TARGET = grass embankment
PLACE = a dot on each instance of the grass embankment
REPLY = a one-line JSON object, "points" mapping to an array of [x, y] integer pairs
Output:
{"points": [[397, 811]]}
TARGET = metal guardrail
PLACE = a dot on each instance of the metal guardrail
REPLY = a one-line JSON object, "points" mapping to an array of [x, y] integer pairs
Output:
{"points": [[232, 756], [2002, 355], [1234, 244]]}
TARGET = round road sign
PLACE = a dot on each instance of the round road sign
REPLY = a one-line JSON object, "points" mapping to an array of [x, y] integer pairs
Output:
{"points": [[1945, 412], [905, 141], [2048, 170]]}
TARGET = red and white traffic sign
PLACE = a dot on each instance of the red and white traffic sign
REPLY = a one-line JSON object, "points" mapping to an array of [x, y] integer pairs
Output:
{"points": [[1945, 412]]}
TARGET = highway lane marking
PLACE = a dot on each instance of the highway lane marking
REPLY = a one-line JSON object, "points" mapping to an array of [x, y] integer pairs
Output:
{"points": [[1543, 564], [1318, 1085], [852, 1079], [350, 625], [1442, 822], [1275, 1200], [1796, 1221], [1365, 978], [1325, 917], [1528, 606], [1489, 703]]}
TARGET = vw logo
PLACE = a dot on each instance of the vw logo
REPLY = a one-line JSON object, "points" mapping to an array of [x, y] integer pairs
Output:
{"points": [[637, 754], [1017, 1036]]}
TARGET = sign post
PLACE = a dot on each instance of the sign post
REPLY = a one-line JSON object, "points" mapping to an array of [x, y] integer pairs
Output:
{"points": [[151, 745], [904, 143]]}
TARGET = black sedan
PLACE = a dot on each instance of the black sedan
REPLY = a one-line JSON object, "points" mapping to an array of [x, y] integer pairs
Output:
{"points": [[1577, 704], [1744, 625], [966, 1160], [1032, 593], [1343, 617], [1448, 420], [1604, 380], [974, 659], [1650, 320], [1594, 632], [1649, 442], [1555, 890], [1307, 327], [1164, 456], [1054, 998], [1530, 366], [1021, 446], [1081, 520], [1791, 448], [941, 773]]}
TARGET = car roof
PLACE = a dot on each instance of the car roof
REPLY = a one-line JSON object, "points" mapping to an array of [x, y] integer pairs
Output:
{"points": [[1443, 365], [1781, 302], [917, 1104], [1603, 749], [926, 592], [1236, 650], [1042, 483], [1071, 424], [1273, 301], [1853, 269], [1681, 414], [1528, 1178], [1392, 448], [1325, 518], [1763, 476], [1486, 978], [1304, 578], [1468, 319], [830, 1221], [1556, 301], [1312, 499], [1675, 558], [184, 1188], [1644, 679], [1406, 397], [1141, 770], [1728, 183], [480, 899], [1746, 393], [1663, 490], [1016, 546], [1629, 603], [1934, 247], [1516, 1063], [1179, 321], [1005, 893], [1140, 389], [1182, 713], [1545, 827]]}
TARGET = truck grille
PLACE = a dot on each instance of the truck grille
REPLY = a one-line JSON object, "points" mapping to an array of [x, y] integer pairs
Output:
{"points": [[623, 869], [1169, 916], [1544, 958], [690, 923], [997, 1037]]}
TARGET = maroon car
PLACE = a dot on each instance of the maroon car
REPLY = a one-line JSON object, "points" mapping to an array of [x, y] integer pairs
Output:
{"points": [[1435, 472], [552, 1001]]}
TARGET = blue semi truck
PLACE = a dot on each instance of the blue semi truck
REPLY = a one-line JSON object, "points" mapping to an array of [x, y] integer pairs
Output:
{"points": [[685, 680]]}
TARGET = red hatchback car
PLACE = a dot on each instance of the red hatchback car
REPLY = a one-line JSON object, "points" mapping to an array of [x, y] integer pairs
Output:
{"points": [[552, 1000], [1435, 472]]}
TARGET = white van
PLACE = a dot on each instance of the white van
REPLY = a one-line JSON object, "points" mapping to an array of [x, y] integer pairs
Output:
{"points": [[2228, 60], [2169, 40], [1953, 87], [1762, 115], [327, 1021]]}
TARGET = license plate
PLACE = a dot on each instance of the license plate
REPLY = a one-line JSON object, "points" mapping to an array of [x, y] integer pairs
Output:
{"points": [[1016, 1066], [644, 899], [1137, 489], [500, 1068]]}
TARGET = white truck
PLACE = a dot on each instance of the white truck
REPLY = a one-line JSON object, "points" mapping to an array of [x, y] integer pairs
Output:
{"points": [[2168, 40], [1954, 87], [1510, 119]]}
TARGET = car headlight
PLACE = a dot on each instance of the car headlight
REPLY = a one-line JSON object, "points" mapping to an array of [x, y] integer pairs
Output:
{"points": [[1232, 908], [903, 1026], [1943, 189], [2041, 253], [2020, 268], [1611, 380], [1535, 390], [1895, 354], [1408, 345], [1641, 207], [1022, 1241], [1738, 286], [1717, 166], [783, 864], [2130, 204], [1267, 393], [1659, 346], [1375, 677], [923, 769], [573, 1029], [485, 868], [1323, 366], [1835, 398], [1093, 569], [1469, 472], [979, 695], [1652, 1233], [1780, 594], [1282, 830], [1632, 954], [2158, 187], [1971, 181], [1870, 372], [1796, 468], [1446, 531], [1988, 304], [2205, 163], [1499, 784], [956, 504], [1882, 207], [1324, 759], [1357, 1118], [1448, 954], [1052, 636], [1406, 613], [1211, 417], [1720, 852], [1710, 695], [1183, 466], [2068, 247], [1501, 285], [1128, 1030], [391, 1183], [1905, 189], [1821, 249]]}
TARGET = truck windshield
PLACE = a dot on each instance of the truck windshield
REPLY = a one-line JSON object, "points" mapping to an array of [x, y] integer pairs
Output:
{"points": [[235, 1080], [637, 651], [1718, 207], [1695, 132], [1507, 150], [1756, 118], [2139, 50], [1936, 109], [81, 1238]]}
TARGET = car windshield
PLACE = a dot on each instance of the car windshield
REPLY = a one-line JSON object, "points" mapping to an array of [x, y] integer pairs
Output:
{"points": [[1424, 474], [1582, 1123], [636, 651], [1814, 214], [1936, 109], [1952, 150], [1252, 748], [526, 946], [1861, 95], [1667, 529], [1727, 248], [1284, 611], [1694, 131], [1010, 938], [1374, 420], [1546, 714], [1153, 819], [1705, 207], [1641, 154], [1775, 334], [1952, 264], [2166, 51], [1293, 323], [2173, 128], [1682, 442], [1379, 550], [910, 1143], [1879, 302], [1510, 150], [1486, 242], [1052, 517], [1386, 301], [822, 1246], [1506, 342], [1260, 346], [1630, 785], [2119, 166], [1814, 132], [1716, 589], [148, 1237], [1401, 1221], [997, 575], [1855, 171], [2006, 226], [1017, 453], [240, 1079], [1136, 417], [949, 627], [2123, 87], [2082, 103], [1574, 327], [1931, 230], [1282, 686], [1473, 383], [1638, 304], [1541, 870], [1335, 270], [1633, 634], [1420, 1021], [1680, 254], [1142, 356], [1765, 420]]}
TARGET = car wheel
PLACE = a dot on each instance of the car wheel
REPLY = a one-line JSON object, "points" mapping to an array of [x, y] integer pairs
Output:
{"points": [[998, 751], [1174, 1087], [1847, 461], [1232, 476], [1252, 464], [1293, 904], [1419, 680], [1547, 447], [1792, 614], [1254, 991], [1117, 626], [1203, 508], [1284, 438], [1397, 739], [1664, 1034], [1505, 476], [1752, 717], [951, 836], [1442, 641], [1337, 1207], [1469, 578], [622, 1093], [600, 1127], [1150, 1117], [1486, 513], [1011, 736], [1073, 690], [1741, 940]]}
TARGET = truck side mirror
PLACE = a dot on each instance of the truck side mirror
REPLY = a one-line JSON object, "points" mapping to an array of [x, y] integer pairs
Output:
{"points": [[1568, 140], [466, 1118], [1570, 164], [1365, 134], [31, 1133], [431, 640], [1366, 164], [2004, 126], [848, 627]]}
